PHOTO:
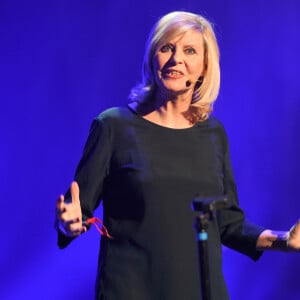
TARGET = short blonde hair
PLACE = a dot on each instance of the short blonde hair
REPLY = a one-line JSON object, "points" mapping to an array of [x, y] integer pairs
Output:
{"points": [[169, 26]]}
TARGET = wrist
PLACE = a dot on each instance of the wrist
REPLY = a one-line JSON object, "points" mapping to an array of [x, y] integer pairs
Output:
{"points": [[281, 241]]}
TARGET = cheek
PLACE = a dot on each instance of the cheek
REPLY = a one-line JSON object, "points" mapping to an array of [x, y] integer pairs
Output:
{"points": [[157, 63], [155, 71], [160, 60], [196, 68]]}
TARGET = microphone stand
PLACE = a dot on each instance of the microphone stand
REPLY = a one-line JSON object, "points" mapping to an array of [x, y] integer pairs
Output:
{"points": [[207, 208]]}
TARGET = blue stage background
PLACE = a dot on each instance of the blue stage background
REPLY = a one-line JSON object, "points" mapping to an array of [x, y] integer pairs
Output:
{"points": [[62, 62]]}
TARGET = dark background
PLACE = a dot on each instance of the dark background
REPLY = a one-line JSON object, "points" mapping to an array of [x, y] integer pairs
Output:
{"points": [[63, 62]]}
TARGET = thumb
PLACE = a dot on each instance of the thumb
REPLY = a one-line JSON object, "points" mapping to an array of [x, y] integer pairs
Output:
{"points": [[295, 228], [74, 189]]}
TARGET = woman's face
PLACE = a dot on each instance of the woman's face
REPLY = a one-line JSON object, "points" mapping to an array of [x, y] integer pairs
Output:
{"points": [[179, 63]]}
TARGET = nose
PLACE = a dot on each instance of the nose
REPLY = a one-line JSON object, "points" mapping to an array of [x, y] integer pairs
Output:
{"points": [[177, 57]]}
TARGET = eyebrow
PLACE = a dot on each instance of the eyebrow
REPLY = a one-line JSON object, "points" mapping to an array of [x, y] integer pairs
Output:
{"points": [[190, 45], [194, 46], [173, 44]]}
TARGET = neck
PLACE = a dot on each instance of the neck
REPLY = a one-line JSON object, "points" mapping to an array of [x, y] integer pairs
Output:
{"points": [[172, 113]]}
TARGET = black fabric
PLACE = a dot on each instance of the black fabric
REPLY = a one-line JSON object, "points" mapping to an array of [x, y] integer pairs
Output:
{"points": [[147, 176]]}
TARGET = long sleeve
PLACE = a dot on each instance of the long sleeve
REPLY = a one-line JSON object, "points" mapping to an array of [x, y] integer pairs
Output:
{"points": [[236, 231], [91, 172]]}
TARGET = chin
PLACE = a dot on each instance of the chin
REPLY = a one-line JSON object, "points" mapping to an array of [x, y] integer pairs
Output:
{"points": [[171, 88], [175, 87], [176, 91]]}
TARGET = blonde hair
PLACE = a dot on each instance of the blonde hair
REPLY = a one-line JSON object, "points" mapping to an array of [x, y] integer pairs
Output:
{"points": [[169, 26]]}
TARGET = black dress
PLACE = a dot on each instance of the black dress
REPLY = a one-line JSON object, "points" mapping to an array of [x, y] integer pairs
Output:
{"points": [[147, 176]]}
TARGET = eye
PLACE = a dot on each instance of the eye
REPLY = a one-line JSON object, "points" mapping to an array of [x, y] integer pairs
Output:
{"points": [[190, 50], [166, 48]]}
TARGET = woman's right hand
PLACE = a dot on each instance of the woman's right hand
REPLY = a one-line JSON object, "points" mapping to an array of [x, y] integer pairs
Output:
{"points": [[68, 214]]}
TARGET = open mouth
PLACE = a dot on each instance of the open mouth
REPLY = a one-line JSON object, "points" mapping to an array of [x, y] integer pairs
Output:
{"points": [[174, 74]]}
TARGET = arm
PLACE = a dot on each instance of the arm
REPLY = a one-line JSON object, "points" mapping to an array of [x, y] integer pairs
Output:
{"points": [[280, 240], [90, 174], [244, 236], [236, 232]]}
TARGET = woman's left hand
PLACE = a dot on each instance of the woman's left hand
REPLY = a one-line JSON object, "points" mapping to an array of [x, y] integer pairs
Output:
{"points": [[294, 237]]}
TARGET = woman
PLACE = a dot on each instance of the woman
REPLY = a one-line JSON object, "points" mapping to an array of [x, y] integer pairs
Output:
{"points": [[148, 161]]}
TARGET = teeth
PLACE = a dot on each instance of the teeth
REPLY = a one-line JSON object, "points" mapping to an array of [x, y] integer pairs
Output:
{"points": [[175, 73]]}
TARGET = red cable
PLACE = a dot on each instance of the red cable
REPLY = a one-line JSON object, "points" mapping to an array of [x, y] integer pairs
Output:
{"points": [[97, 223]]}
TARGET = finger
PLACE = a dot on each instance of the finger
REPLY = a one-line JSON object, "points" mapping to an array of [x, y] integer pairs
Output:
{"points": [[73, 227], [60, 205], [295, 229], [69, 222], [61, 198], [71, 232], [74, 189]]}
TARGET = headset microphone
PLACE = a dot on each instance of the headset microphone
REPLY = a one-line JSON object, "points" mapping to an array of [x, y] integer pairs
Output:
{"points": [[188, 83]]}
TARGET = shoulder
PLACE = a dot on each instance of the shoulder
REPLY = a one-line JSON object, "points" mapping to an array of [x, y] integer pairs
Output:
{"points": [[113, 121], [113, 114], [214, 123], [218, 131]]}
